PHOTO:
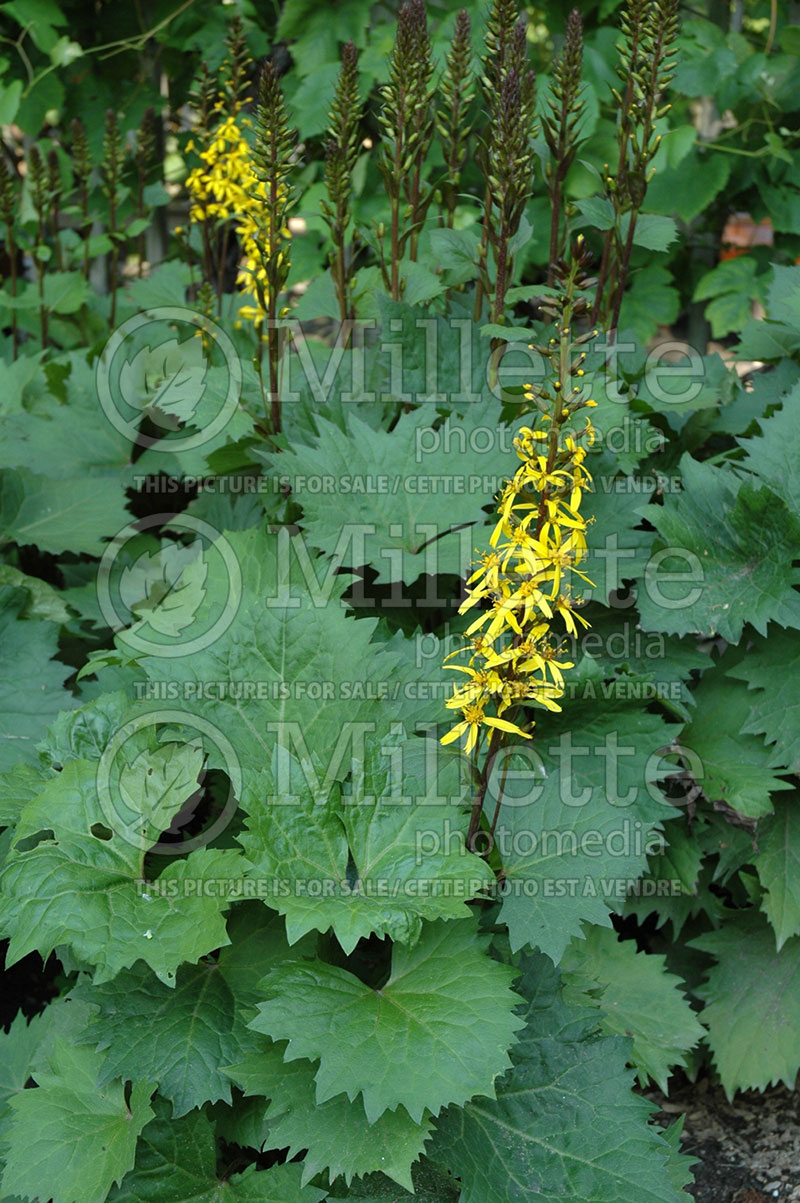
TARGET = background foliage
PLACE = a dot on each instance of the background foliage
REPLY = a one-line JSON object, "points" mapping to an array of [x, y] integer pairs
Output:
{"points": [[181, 1042]]}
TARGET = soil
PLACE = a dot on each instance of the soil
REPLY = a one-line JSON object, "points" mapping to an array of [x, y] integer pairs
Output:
{"points": [[747, 1150]]}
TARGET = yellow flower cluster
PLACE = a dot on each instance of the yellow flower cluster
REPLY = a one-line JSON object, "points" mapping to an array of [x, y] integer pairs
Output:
{"points": [[526, 581], [226, 188]]}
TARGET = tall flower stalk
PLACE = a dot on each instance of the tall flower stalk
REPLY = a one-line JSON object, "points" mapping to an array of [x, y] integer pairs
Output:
{"points": [[144, 157], [82, 167], [8, 205], [507, 158], [341, 152], [500, 28], [559, 127], [509, 161], [456, 90], [54, 188], [525, 585], [224, 190], [112, 170], [39, 195], [275, 153], [645, 70], [407, 120]]}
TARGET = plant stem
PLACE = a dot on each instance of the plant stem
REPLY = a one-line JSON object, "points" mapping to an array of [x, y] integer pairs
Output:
{"points": [[11, 248]]}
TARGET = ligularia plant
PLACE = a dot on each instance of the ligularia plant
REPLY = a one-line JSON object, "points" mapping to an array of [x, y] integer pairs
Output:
{"points": [[537, 545]]}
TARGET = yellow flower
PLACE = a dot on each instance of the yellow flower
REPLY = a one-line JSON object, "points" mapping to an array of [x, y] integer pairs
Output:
{"points": [[521, 586], [226, 189], [471, 724]]}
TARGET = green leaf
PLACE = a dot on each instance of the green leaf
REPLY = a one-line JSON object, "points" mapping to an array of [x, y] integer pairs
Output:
{"points": [[316, 43], [169, 378], [18, 1046], [257, 941], [729, 312], [457, 252], [43, 600], [730, 547], [616, 550], [509, 334], [772, 671], [71, 1139], [783, 295], [309, 106], [58, 515], [317, 682], [178, 1038], [638, 998], [377, 860], [165, 286], [767, 340], [687, 190], [81, 887], [728, 765], [778, 868], [597, 211], [637, 664], [650, 302], [31, 682], [9, 101], [653, 231], [335, 1134], [752, 1004], [409, 1044], [65, 52], [579, 816], [783, 206], [419, 284], [669, 890], [400, 494], [565, 1124], [773, 457], [732, 275], [65, 292], [732, 284], [430, 1186], [176, 1162]]}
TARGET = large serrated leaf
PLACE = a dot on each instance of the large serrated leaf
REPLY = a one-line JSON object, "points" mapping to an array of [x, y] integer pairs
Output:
{"points": [[32, 681], [772, 671], [85, 887], [778, 867], [178, 1038], [380, 858], [76, 514], [752, 1004], [565, 1124], [403, 494], [292, 673], [638, 998], [578, 811], [335, 1134], [730, 547], [176, 1163], [71, 1139], [729, 765], [411, 1043]]}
